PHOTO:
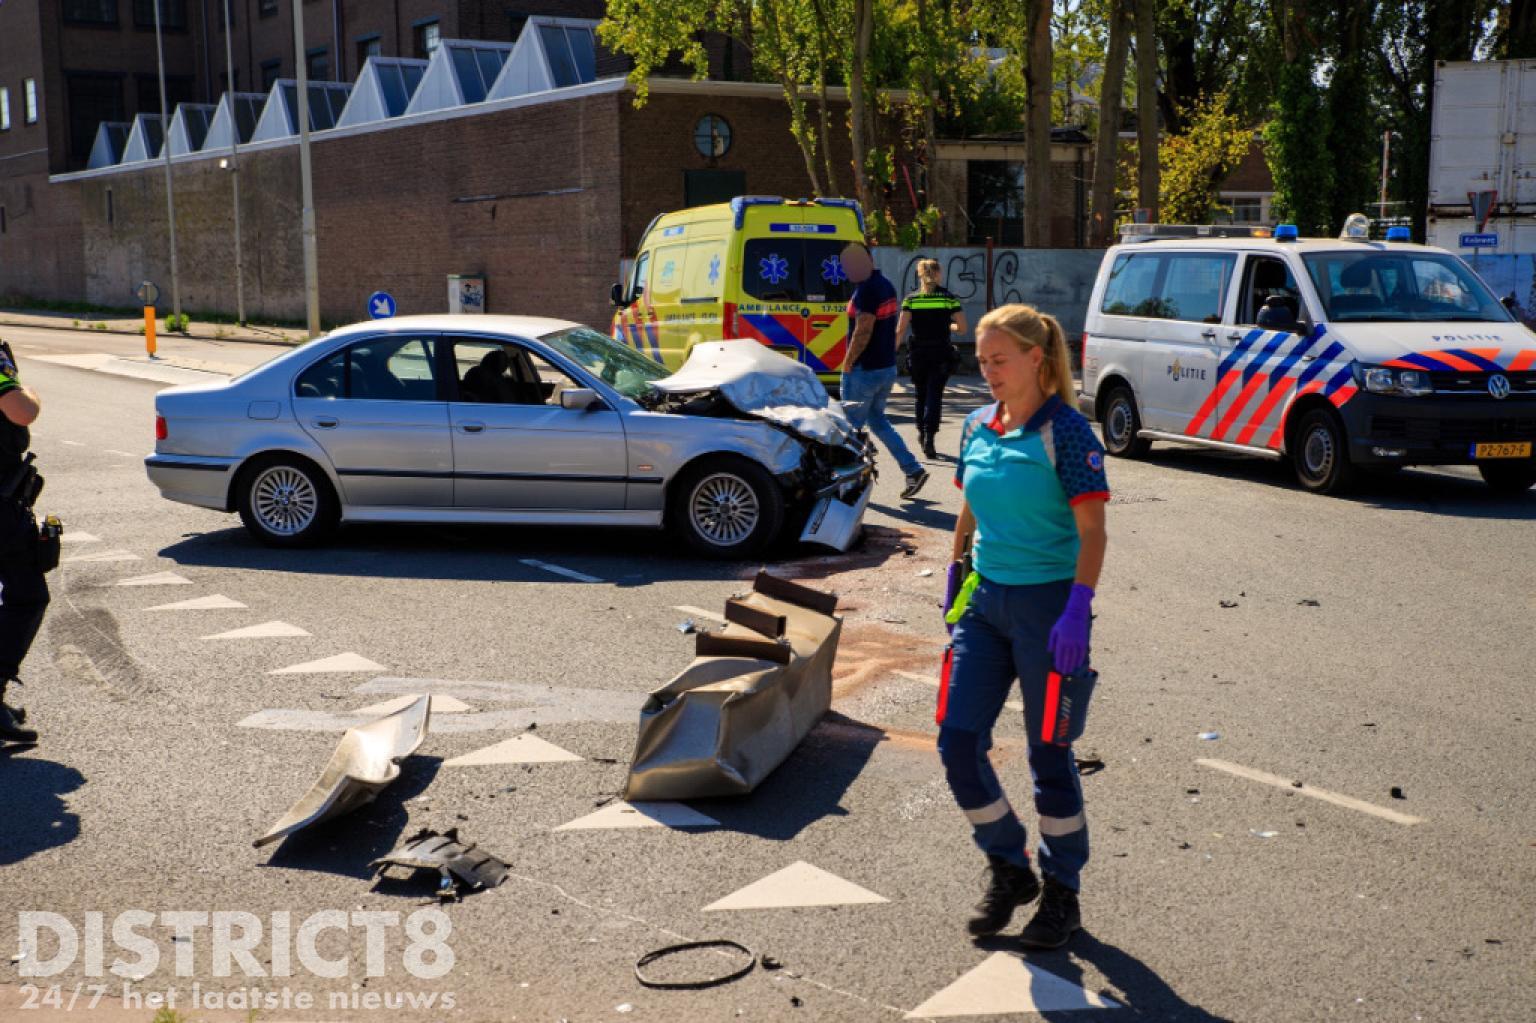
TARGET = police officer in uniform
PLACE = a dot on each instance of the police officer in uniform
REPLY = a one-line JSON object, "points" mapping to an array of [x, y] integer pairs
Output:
{"points": [[23, 590]]}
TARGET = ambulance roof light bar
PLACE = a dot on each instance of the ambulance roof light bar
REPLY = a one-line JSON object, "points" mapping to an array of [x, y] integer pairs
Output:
{"points": [[1154, 232], [741, 202]]}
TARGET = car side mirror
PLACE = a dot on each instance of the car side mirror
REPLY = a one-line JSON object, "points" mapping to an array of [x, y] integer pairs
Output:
{"points": [[579, 399], [616, 295]]}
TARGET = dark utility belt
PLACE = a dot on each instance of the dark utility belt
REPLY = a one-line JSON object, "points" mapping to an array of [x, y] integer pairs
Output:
{"points": [[22, 483]]}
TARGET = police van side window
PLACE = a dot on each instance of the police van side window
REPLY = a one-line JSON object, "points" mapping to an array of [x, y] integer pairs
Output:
{"points": [[1133, 285], [1195, 286]]}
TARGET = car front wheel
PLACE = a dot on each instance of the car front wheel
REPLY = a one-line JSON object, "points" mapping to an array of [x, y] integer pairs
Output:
{"points": [[287, 503], [1122, 423], [727, 507], [1320, 454], [1509, 477]]}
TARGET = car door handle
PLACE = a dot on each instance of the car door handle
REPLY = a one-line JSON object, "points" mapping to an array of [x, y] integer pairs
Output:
{"points": [[1236, 335], [1209, 335], [472, 427], [326, 422]]}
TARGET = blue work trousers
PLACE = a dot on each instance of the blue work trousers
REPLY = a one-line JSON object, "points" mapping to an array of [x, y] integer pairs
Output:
{"points": [[1002, 637], [865, 392]]}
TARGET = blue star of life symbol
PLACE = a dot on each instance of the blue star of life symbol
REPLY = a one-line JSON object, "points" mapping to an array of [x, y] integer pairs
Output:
{"points": [[714, 269], [773, 268], [832, 270]]}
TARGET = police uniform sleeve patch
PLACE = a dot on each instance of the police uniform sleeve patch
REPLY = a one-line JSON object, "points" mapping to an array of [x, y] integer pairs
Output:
{"points": [[1095, 461]]}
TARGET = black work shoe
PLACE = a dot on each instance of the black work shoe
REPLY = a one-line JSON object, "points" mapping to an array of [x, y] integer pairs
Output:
{"points": [[915, 483], [928, 448], [1008, 887], [10, 726], [1055, 919]]}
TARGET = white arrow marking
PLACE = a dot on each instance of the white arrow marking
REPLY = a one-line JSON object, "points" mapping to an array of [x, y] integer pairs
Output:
{"points": [[340, 662], [158, 579], [1007, 984], [104, 556], [217, 602], [266, 630], [521, 749], [620, 814], [798, 884]]}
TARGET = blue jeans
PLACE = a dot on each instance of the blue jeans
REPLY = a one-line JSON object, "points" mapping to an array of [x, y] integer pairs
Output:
{"points": [[865, 392], [1002, 636]]}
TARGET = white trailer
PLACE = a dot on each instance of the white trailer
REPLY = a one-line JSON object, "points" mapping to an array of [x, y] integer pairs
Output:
{"points": [[1483, 139]]}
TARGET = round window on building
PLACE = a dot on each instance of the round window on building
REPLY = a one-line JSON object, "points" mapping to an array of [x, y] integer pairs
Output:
{"points": [[712, 136]]}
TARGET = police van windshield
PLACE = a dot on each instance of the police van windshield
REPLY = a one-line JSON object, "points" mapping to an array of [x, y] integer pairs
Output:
{"points": [[1375, 286], [795, 270]]}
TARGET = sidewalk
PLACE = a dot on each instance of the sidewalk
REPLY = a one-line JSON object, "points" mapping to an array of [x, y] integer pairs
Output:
{"points": [[134, 325]]}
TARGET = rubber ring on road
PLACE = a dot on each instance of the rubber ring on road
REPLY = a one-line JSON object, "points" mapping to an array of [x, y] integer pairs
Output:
{"points": [[693, 985]]}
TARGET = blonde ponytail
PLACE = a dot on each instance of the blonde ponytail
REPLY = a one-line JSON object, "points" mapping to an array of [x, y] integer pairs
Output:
{"points": [[1031, 328]]}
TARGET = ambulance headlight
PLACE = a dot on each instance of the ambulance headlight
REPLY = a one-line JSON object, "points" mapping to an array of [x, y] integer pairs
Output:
{"points": [[1382, 380]]}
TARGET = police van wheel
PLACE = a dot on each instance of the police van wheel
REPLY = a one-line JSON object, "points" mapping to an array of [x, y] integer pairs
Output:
{"points": [[287, 502], [727, 507], [1320, 454], [1121, 424], [1509, 477]]}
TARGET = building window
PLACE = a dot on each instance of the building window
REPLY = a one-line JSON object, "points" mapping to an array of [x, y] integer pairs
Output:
{"points": [[428, 35], [90, 99], [173, 14], [1245, 210], [29, 99], [317, 64], [91, 12], [995, 193], [267, 8], [368, 46], [5, 109], [270, 72]]}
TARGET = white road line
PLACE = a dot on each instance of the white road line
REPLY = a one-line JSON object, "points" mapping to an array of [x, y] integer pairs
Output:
{"points": [[125, 454], [569, 573], [1288, 784], [698, 612], [72, 444]]}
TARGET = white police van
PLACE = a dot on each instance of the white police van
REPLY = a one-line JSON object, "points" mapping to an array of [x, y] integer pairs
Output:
{"points": [[1338, 354]]}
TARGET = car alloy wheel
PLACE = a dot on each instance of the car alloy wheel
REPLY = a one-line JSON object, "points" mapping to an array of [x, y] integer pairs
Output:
{"points": [[284, 501], [724, 509]]}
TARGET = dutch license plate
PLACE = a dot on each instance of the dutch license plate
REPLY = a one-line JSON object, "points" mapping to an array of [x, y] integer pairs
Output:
{"points": [[1508, 449]]}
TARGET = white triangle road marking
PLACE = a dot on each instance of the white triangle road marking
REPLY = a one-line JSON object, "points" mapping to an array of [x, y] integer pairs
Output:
{"points": [[217, 602], [103, 556], [79, 536], [157, 579], [1005, 983], [266, 630], [620, 814], [440, 704], [520, 749], [798, 884], [340, 662]]}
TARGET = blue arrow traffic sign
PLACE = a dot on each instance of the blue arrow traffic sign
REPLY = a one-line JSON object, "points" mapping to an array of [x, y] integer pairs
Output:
{"points": [[381, 305]]}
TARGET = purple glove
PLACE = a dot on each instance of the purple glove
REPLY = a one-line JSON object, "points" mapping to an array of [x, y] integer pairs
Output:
{"points": [[952, 583], [1069, 637]]}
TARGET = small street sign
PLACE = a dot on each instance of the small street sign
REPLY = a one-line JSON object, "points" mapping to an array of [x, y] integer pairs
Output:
{"points": [[381, 305], [1488, 240]]}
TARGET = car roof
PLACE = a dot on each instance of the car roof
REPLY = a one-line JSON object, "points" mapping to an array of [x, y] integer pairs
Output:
{"points": [[1308, 245], [474, 323]]}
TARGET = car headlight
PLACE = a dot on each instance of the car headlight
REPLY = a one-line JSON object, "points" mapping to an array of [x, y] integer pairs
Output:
{"points": [[1383, 380]]}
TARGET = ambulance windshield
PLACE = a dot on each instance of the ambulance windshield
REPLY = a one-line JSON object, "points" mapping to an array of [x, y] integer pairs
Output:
{"points": [[793, 269], [1377, 286]]}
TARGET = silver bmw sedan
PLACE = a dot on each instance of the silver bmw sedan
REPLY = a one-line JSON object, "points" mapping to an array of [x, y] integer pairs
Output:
{"points": [[517, 419]]}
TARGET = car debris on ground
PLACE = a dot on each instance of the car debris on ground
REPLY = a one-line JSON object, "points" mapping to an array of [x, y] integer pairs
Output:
{"points": [[454, 860]]}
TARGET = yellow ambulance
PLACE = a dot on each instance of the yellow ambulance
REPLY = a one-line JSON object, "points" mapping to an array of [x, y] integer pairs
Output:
{"points": [[757, 267]]}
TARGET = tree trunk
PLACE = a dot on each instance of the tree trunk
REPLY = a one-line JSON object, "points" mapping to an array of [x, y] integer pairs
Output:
{"points": [[858, 111], [1520, 30], [825, 126], [1147, 175], [1038, 78], [1106, 156]]}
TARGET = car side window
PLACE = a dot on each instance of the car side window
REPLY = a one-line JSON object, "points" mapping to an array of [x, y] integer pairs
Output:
{"points": [[494, 372], [1269, 281], [1133, 285], [392, 369], [325, 379], [637, 283]]}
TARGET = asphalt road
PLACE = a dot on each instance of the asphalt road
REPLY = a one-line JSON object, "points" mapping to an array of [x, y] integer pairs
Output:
{"points": [[1361, 646]]}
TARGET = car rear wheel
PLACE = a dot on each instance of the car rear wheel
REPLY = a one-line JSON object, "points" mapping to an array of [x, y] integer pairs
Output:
{"points": [[1122, 424], [1320, 454], [727, 507], [287, 503], [1509, 477]]}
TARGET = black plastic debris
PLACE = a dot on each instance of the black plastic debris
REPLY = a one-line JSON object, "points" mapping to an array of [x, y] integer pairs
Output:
{"points": [[1397, 793], [1089, 765], [1229, 603], [1308, 602], [694, 985], [453, 859]]}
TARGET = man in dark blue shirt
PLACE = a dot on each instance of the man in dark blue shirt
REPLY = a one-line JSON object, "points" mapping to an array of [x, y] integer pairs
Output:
{"points": [[869, 368]]}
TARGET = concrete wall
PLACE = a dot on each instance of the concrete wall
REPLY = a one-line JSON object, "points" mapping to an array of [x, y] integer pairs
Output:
{"points": [[1056, 281]]}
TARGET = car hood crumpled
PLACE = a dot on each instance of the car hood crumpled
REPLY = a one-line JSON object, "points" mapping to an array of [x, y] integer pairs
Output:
{"points": [[760, 382]]}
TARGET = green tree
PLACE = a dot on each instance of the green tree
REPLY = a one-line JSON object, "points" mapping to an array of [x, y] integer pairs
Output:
{"points": [[1196, 161]]}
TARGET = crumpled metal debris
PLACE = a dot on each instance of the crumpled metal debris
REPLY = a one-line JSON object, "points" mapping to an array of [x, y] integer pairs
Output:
{"points": [[366, 761], [447, 854], [752, 693]]}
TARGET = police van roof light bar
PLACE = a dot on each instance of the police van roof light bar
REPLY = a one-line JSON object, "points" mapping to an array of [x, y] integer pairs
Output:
{"points": [[1153, 232]]}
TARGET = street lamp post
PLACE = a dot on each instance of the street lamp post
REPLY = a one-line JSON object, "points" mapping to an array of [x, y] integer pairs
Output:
{"points": [[311, 258], [165, 151], [234, 158]]}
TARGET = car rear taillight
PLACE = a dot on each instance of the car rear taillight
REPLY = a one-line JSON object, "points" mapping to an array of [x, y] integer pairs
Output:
{"points": [[161, 433]]}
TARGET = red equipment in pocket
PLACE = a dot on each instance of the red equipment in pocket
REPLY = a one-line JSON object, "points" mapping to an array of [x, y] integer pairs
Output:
{"points": [[944, 672]]}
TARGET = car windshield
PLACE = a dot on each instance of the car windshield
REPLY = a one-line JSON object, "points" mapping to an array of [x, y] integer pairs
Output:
{"points": [[616, 365], [1372, 285]]}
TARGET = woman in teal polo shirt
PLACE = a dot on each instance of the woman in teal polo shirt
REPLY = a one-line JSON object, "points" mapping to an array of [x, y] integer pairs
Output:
{"points": [[1033, 475]]}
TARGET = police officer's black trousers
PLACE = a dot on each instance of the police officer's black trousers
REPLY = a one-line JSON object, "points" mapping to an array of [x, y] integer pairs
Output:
{"points": [[930, 369], [23, 589]]}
